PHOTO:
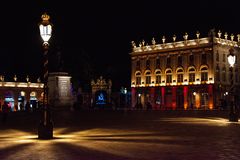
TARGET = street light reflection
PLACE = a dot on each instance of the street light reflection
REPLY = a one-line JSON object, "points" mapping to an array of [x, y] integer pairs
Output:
{"points": [[210, 121], [118, 142]]}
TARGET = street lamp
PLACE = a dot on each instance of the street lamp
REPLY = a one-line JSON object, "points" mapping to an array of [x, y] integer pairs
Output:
{"points": [[233, 115], [45, 128]]}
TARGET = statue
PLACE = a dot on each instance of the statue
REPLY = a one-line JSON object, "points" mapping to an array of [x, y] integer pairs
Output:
{"points": [[153, 41], [133, 44], [219, 34], [226, 35], [185, 37], [174, 38], [198, 34]]}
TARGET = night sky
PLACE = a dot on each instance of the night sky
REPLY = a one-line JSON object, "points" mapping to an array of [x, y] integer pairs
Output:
{"points": [[94, 37]]}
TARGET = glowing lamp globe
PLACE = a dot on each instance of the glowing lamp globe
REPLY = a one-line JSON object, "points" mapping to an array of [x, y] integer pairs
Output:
{"points": [[231, 58], [45, 28]]}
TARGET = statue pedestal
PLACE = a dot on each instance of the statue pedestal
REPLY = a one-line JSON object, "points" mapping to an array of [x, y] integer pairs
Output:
{"points": [[59, 90]]}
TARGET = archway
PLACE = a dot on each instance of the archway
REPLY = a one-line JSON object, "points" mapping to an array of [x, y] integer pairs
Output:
{"points": [[21, 100], [9, 98], [33, 100]]}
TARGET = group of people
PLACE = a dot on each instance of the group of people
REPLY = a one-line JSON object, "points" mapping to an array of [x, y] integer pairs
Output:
{"points": [[140, 106], [5, 108]]}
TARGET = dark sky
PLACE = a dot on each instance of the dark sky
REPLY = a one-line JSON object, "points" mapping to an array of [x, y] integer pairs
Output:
{"points": [[94, 36]]}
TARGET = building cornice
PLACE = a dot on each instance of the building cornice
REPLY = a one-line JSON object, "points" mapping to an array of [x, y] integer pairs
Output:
{"points": [[20, 85], [181, 45]]}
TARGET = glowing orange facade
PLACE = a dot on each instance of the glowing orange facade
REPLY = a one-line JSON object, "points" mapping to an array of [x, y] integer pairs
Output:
{"points": [[183, 74]]}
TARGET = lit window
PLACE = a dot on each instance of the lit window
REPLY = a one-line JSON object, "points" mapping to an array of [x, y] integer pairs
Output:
{"points": [[138, 78], [158, 77], [180, 75], [204, 74], [191, 74], [169, 76], [148, 77], [191, 77]]}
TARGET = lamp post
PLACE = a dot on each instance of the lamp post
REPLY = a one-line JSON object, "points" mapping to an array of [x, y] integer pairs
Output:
{"points": [[233, 115], [45, 128]]}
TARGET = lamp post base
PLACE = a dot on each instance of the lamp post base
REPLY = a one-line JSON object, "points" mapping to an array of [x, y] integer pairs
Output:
{"points": [[45, 131]]}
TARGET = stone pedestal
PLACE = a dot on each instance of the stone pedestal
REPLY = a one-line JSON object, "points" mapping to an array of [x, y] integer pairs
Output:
{"points": [[59, 90]]}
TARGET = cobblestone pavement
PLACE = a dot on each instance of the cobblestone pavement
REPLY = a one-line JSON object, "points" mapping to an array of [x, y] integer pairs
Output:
{"points": [[123, 136]]}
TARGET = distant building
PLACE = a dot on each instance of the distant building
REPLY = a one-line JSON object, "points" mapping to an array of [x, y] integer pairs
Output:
{"points": [[102, 96], [184, 74], [19, 93]]}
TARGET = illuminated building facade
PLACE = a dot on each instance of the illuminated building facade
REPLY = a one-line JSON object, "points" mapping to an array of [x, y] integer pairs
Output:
{"points": [[191, 73], [19, 93]]}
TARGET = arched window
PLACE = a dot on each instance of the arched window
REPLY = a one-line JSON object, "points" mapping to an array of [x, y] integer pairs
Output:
{"points": [[148, 77], [168, 75], [21, 100], [158, 76], [138, 78], [191, 74], [204, 74], [179, 75]]}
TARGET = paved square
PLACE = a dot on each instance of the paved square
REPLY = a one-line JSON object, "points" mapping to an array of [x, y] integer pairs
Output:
{"points": [[123, 135]]}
